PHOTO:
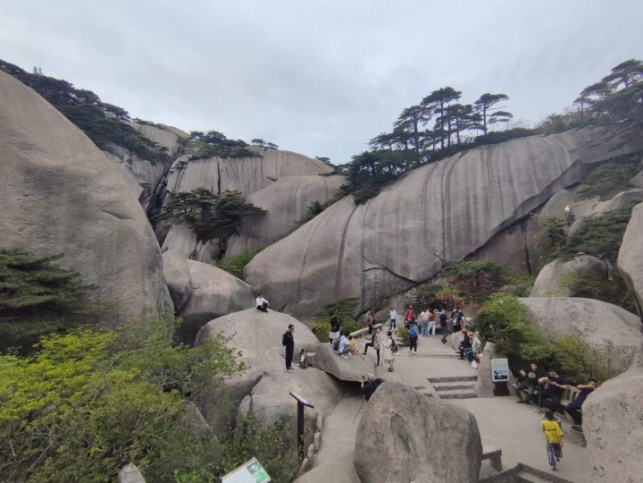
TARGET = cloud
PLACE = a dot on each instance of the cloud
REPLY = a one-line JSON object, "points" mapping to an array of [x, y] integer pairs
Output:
{"points": [[318, 77]]}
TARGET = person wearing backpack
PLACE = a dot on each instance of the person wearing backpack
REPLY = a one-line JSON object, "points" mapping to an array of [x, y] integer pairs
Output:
{"points": [[413, 338], [288, 340], [334, 329], [390, 348]]}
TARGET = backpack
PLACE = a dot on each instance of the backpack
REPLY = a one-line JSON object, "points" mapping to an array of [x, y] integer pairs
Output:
{"points": [[283, 339], [336, 344], [413, 331], [393, 346]]}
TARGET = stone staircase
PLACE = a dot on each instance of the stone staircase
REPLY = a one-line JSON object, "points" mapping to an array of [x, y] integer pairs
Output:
{"points": [[455, 387]]}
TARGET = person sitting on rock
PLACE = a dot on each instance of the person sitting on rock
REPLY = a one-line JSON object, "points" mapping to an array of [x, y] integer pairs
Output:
{"points": [[465, 344], [389, 351], [553, 393], [368, 388], [344, 347], [261, 303], [476, 347], [303, 359], [529, 383], [574, 408], [469, 325], [375, 344]]}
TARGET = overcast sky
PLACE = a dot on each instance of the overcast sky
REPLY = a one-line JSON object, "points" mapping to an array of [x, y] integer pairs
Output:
{"points": [[319, 77]]}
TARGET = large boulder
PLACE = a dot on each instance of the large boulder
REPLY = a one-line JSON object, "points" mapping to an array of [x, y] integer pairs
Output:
{"points": [[286, 202], [598, 321], [630, 256], [351, 369], [594, 207], [612, 426], [400, 427], [182, 239], [60, 194], [265, 385], [177, 275], [436, 214], [214, 293], [161, 136], [637, 180], [551, 279]]}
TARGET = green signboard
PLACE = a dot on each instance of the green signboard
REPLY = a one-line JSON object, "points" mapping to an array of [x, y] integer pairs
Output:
{"points": [[249, 472]]}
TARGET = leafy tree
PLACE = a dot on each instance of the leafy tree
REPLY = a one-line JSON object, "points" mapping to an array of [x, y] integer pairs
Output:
{"points": [[485, 107], [382, 141], [258, 142], [625, 73], [325, 160], [436, 102], [412, 117], [216, 144], [210, 216], [475, 279]]}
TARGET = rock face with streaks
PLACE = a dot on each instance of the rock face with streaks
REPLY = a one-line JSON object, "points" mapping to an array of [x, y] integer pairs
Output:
{"points": [[630, 256], [436, 214], [281, 182], [60, 194], [286, 202]]}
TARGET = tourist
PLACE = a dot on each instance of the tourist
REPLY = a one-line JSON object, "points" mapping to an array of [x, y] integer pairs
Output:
{"points": [[261, 303], [368, 388], [574, 408], [554, 438], [288, 339], [476, 347], [371, 322], [389, 351], [410, 317], [392, 319], [424, 321], [469, 325], [334, 328], [413, 338], [303, 359], [444, 328], [375, 344], [432, 322], [351, 341], [344, 347], [465, 344], [456, 318], [528, 383], [553, 393]]}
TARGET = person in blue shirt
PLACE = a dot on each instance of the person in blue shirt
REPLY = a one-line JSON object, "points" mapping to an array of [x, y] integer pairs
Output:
{"points": [[574, 408], [413, 337]]}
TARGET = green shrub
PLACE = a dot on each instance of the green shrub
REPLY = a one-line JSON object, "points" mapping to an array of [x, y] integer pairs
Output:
{"points": [[601, 236], [236, 263], [475, 279], [503, 320], [588, 284], [321, 328], [403, 339], [580, 361], [608, 177]]}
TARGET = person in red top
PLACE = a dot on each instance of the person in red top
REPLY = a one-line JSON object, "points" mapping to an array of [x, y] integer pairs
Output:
{"points": [[410, 316]]}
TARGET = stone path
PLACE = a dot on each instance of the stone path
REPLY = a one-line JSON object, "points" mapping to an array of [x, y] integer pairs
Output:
{"points": [[437, 371]]}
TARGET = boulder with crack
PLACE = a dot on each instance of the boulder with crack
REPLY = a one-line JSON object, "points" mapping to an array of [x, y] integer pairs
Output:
{"points": [[630, 256], [394, 438]]}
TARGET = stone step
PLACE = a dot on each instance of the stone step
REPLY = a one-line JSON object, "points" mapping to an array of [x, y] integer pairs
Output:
{"points": [[433, 380], [527, 477], [457, 394], [450, 386]]}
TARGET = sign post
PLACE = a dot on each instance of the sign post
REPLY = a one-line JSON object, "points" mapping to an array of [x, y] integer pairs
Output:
{"points": [[249, 472], [500, 375], [301, 403]]}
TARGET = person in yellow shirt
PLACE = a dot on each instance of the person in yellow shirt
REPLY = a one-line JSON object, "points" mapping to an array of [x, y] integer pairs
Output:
{"points": [[352, 343], [554, 437]]}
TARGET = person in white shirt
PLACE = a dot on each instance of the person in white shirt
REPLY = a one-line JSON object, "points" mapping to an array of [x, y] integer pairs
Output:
{"points": [[392, 319], [345, 347], [424, 323], [261, 303]]}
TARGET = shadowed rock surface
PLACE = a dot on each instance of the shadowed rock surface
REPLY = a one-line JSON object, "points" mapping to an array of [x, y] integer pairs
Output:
{"points": [[551, 279], [406, 437], [351, 369], [630, 256], [177, 276], [214, 292], [438, 213], [60, 194]]}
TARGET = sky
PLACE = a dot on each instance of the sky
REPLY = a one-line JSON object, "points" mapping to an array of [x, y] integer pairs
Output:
{"points": [[319, 77]]}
